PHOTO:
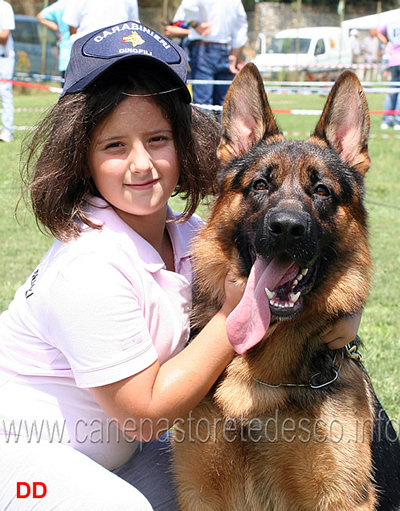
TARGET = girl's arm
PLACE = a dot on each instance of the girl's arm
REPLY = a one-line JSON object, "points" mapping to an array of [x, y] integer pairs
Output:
{"points": [[149, 402]]}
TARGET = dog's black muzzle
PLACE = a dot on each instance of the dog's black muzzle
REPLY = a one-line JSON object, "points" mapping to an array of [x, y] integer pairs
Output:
{"points": [[290, 232], [287, 228]]}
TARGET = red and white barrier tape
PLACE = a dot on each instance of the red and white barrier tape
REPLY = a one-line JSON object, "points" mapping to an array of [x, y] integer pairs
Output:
{"points": [[279, 87], [319, 112], [31, 85], [295, 111], [304, 134], [219, 108]]}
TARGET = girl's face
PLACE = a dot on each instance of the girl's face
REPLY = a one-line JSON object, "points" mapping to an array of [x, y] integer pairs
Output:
{"points": [[133, 160]]}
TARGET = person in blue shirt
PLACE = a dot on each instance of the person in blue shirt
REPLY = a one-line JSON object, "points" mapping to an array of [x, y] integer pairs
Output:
{"points": [[51, 17]]}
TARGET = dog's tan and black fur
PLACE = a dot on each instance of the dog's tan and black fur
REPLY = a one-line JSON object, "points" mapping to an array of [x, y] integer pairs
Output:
{"points": [[276, 433]]}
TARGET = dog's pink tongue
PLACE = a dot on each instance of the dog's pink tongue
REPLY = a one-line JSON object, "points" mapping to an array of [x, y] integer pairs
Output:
{"points": [[248, 322]]}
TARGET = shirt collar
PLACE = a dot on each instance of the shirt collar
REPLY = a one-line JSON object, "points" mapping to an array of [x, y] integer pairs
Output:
{"points": [[102, 213]]}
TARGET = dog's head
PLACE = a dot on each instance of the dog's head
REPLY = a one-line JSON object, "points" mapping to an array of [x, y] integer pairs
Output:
{"points": [[295, 206]]}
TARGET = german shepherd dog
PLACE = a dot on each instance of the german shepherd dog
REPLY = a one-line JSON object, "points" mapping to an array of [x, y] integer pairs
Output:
{"points": [[290, 425]]}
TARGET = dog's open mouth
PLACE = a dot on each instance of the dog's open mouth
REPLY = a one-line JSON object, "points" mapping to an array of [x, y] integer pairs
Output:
{"points": [[286, 298], [280, 280]]}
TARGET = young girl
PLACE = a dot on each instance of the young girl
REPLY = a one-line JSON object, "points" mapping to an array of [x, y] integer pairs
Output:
{"points": [[92, 358]]}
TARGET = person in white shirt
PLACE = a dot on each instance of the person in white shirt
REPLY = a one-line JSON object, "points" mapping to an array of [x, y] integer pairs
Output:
{"points": [[218, 33], [84, 16], [7, 62], [370, 48], [355, 46]]}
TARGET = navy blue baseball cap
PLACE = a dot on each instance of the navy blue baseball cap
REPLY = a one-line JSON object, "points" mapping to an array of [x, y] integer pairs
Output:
{"points": [[95, 53]]}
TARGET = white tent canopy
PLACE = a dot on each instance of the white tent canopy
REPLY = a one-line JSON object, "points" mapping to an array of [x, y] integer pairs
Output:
{"points": [[372, 21]]}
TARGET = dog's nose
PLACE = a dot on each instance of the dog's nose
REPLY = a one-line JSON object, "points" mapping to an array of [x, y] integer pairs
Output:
{"points": [[287, 226]]}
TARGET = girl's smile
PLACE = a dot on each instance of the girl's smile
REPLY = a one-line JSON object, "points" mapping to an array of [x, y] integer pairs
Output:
{"points": [[133, 161], [146, 185]]}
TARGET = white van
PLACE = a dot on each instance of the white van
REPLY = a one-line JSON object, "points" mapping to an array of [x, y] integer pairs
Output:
{"points": [[316, 51]]}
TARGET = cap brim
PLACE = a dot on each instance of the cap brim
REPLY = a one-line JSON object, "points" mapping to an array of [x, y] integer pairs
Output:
{"points": [[93, 75]]}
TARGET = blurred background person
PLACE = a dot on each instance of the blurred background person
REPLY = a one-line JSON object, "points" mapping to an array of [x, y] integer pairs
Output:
{"points": [[51, 17], [218, 33], [7, 62], [84, 16], [370, 48], [391, 34], [355, 46]]}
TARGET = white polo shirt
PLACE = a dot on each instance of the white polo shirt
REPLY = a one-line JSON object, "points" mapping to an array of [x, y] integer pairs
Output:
{"points": [[96, 310], [227, 17]]}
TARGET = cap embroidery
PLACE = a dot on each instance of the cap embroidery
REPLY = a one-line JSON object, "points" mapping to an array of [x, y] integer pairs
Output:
{"points": [[100, 36], [110, 43], [133, 38]]}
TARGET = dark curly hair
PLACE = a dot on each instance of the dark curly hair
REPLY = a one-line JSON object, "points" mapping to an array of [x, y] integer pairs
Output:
{"points": [[54, 166]]}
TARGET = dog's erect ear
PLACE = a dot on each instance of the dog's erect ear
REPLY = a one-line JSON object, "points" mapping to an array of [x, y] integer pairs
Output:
{"points": [[345, 123], [247, 117]]}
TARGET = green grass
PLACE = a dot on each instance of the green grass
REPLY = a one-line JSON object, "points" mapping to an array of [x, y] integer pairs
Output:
{"points": [[22, 245]]}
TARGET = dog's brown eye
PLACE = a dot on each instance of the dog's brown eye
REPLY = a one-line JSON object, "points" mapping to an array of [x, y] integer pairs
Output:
{"points": [[322, 191], [260, 184]]}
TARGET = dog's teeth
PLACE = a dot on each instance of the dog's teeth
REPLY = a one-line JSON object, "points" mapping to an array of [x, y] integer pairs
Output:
{"points": [[270, 294], [294, 296], [296, 281], [304, 272]]}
